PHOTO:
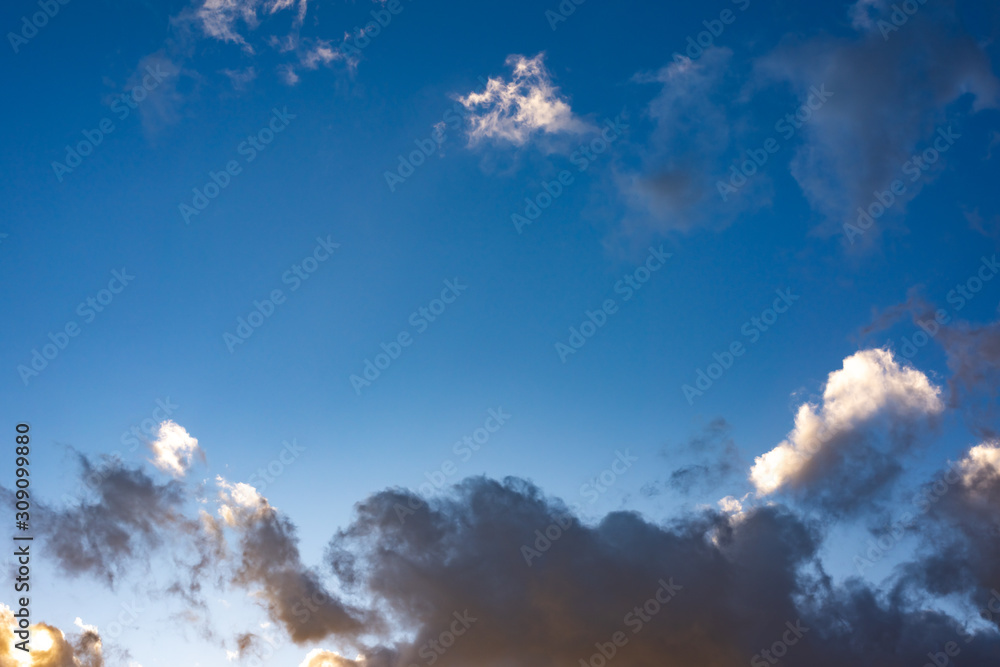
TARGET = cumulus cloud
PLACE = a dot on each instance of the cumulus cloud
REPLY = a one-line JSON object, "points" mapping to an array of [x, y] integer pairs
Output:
{"points": [[959, 547], [891, 92], [844, 450], [513, 111], [50, 647], [174, 449], [736, 579], [981, 466]]}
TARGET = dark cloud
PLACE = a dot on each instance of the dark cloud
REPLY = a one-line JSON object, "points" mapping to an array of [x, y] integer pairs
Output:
{"points": [[740, 579], [960, 541], [127, 517], [269, 564]]}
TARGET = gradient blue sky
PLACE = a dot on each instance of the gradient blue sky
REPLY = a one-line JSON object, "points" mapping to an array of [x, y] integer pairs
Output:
{"points": [[494, 347]]}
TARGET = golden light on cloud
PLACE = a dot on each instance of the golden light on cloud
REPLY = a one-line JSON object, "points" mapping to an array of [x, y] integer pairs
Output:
{"points": [[49, 646]]}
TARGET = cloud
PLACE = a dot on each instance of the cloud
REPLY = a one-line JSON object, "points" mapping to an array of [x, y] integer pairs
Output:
{"points": [[269, 565], [688, 150], [221, 19], [981, 466], [890, 94], [174, 449], [321, 658], [495, 573], [972, 351], [715, 460], [50, 647], [736, 579], [514, 111], [834, 453], [241, 78], [129, 518], [958, 549]]}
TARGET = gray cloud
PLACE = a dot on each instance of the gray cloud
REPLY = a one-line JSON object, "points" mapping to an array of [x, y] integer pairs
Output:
{"points": [[890, 95]]}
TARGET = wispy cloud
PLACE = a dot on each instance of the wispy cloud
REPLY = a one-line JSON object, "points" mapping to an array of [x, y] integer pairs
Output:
{"points": [[513, 111]]}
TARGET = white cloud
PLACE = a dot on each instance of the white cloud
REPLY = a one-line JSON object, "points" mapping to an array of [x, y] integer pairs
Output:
{"points": [[236, 498], [871, 384], [514, 110], [219, 18], [174, 449], [981, 465]]}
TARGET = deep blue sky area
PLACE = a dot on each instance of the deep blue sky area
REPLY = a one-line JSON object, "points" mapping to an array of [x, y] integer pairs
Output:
{"points": [[253, 147]]}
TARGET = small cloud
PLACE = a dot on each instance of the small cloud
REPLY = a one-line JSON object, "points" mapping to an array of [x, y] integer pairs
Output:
{"points": [[174, 449], [512, 111], [981, 466], [240, 78]]}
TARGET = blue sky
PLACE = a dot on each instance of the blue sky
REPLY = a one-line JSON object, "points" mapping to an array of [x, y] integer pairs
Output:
{"points": [[235, 148]]}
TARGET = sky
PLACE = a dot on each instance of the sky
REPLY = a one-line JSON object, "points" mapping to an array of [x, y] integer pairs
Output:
{"points": [[392, 334]]}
